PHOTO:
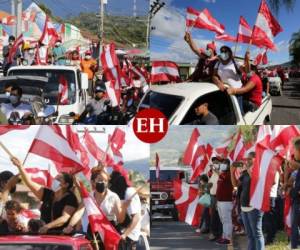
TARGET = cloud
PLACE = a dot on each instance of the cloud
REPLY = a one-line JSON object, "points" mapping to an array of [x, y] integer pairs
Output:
{"points": [[282, 46], [210, 1]]}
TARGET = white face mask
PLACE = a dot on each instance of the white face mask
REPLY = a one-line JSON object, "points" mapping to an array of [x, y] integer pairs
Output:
{"points": [[87, 57], [55, 185], [216, 166], [7, 94], [57, 44], [223, 167]]}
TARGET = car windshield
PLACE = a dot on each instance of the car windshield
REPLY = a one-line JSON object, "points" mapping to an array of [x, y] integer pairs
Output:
{"points": [[51, 88], [34, 246], [167, 104], [166, 175]]}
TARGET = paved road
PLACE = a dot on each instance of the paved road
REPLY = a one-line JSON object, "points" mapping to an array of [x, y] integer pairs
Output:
{"points": [[175, 235], [286, 108]]}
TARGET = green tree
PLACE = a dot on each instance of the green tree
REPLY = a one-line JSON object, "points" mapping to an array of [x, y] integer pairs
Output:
{"points": [[295, 48], [276, 4]]}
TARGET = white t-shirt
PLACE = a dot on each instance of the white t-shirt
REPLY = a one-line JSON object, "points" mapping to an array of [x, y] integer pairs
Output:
{"points": [[134, 208], [145, 221], [228, 74], [22, 109], [107, 206], [274, 188], [214, 181]]}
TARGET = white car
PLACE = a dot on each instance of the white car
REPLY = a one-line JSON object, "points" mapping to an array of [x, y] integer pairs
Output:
{"points": [[275, 85], [178, 101], [77, 87]]}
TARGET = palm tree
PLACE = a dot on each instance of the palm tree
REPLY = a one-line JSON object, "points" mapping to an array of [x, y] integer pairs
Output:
{"points": [[295, 48], [276, 4]]}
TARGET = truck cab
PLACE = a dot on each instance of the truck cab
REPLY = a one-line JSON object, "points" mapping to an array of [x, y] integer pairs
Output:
{"points": [[178, 101], [162, 190], [77, 88]]}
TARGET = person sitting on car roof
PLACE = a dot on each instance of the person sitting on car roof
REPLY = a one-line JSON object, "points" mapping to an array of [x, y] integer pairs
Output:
{"points": [[252, 91], [14, 221], [58, 203], [207, 60], [59, 53], [204, 116]]}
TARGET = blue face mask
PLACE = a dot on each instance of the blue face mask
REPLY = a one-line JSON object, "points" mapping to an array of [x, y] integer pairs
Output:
{"points": [[13, 99], [224, 56], [208, 53]]}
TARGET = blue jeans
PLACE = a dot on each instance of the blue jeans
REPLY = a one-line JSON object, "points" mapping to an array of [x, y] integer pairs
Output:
{"points": [[295, 216], [253, 225]]}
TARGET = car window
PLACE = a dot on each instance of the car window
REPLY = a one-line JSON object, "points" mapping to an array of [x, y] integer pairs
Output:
{"points": [[33, 246], [219, 103], [167, 104]]}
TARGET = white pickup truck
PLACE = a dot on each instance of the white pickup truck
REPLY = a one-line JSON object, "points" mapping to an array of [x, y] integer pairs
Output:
{"points": [[77, 87], [177, 102]]}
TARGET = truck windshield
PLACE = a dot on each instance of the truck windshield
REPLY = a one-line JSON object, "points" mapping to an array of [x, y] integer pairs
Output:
{"points": [[51, 89], [165, 175], [167, 104], [34, 246]]}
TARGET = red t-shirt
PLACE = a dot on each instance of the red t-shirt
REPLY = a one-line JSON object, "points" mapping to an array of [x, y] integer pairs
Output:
{"points": [[224, 187], [255, 95]]}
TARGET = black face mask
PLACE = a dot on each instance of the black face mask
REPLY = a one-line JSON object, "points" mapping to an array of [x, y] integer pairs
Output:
{"points": [[97, 98], [100, 187]]}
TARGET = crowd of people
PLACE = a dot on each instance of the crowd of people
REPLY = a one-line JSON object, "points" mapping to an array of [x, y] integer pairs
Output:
{"points": [[229, 211], [99, 109], [243, 80], [63, 212]]}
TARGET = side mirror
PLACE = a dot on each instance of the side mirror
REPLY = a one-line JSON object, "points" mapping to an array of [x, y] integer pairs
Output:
{"points": [[84, 81]]}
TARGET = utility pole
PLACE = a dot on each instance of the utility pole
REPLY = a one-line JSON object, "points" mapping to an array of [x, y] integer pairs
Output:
{"points": [[13, 13], [154, 8], [19, 9], [101, 31], [134, 9]]}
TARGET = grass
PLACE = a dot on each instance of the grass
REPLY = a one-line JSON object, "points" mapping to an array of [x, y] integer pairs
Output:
{"points": [[280, 243]]}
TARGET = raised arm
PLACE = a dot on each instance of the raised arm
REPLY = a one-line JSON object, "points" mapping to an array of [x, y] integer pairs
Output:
{"points": [[37, 189], [192, 44]]}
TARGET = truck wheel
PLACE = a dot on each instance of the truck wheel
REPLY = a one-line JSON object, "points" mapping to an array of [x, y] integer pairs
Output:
{"points": [[175, 214]]}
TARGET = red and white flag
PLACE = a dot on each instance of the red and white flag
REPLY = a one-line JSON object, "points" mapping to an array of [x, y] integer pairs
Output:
{"points": [[49, 35], [222, 150], [114, 92], [63, 93], [41, 55], [9, 20], [49, 143], [116, 141], [12, 52], [189, 153], [111, 66], [186, 201], [139, 74], [157, 166], [40, 176], [98, 222], [164, 71], [265, 28], [203, 20], [261, 58], [237, 154], [282, 136], [226, 38], [266, 164], [245, 31]]}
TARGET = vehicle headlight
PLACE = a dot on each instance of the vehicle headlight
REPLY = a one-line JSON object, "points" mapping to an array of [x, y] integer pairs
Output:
{"points": [[164, 196], [66, 119]]}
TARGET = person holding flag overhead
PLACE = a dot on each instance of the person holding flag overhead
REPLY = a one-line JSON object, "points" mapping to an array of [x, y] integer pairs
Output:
{"points": [[206, 62]]}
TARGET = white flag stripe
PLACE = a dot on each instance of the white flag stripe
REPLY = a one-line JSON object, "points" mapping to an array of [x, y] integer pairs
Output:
{"points": [[204, 18], [165, 70], [244, 31], [263, 24], [191, 211]]}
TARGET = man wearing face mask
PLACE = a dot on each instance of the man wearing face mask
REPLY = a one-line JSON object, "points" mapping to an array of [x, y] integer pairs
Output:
{"points": [[206, 62], [252, 91], [89, 65], [16, 105], [59, 53], [224, 202], [6, 50], [108, 201]]}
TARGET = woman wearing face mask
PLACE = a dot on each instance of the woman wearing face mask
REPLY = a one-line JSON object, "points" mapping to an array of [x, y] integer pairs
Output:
{"points": [[58, 204], [227, 71], [206, 63], [252, 218], [108, 201], [224, 202], [59, 53]]}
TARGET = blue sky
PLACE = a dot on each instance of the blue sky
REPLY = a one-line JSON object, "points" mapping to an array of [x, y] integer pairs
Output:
{"points": [[72, 7], [167, 37]]}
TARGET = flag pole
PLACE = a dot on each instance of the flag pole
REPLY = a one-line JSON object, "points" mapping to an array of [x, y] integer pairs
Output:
{"points": [[95, 241], [6, 150]]}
